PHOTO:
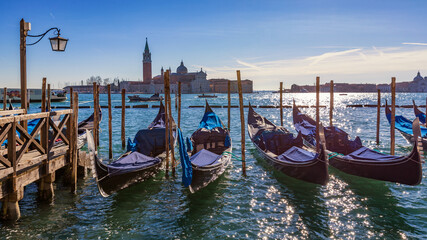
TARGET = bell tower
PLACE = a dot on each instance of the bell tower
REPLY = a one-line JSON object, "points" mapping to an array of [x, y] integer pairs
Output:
{"points": [[146, 64]]}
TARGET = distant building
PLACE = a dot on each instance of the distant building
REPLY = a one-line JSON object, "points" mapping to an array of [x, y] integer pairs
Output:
{"points": [[221, 86], [418, 84], [191, 82]]}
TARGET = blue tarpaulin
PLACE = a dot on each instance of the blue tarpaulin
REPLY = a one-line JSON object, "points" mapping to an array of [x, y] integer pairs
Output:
{"points": [[405, 125], [210, 121], [422, 117], [187, 169]]}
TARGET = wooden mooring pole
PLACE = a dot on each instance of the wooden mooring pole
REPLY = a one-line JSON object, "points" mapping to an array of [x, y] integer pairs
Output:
{"points": [[110, 124], [242, 122], [43, 106], [229, 106], [378, 116], [166, 85], [179, 104], [281, 103], [331, 101], [73, 142], [49, 94], [393, 113], [98, 87], [95, 115], [123, 118], [5, 98], [170, 130], [317, 112], [176, 100]]}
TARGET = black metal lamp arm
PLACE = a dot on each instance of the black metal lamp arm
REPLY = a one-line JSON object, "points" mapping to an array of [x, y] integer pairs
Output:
{"points": [[42, 35]]}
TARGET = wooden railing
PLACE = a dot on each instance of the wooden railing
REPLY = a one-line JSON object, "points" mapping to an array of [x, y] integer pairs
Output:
{"points": [[42, 138]]}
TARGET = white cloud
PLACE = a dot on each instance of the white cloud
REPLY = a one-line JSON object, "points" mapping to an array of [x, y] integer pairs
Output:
{"points": [[353, 65], [414, 43]]}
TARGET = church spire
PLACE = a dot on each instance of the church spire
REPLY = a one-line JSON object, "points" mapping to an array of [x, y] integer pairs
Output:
{"points": [[146, 63], [146, 46], [146, 54]]}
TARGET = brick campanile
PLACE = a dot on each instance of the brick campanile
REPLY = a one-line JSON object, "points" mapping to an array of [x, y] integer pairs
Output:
{"points": [[146, 64]]}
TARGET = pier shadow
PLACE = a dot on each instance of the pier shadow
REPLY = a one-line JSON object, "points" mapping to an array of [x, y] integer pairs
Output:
{"points": [[305, 197]]}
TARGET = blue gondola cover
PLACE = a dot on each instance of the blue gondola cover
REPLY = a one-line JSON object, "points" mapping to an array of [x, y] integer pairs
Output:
{"points": [[405, 125], [187, 169], [210, 121]]}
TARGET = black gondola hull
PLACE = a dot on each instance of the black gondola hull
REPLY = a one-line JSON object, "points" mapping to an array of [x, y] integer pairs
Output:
{"points": [[315, 171], [407, 170], [109, 184]]}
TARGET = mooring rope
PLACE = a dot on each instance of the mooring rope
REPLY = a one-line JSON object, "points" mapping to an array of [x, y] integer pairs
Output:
{"points": [[233, 156], [334, 154]]}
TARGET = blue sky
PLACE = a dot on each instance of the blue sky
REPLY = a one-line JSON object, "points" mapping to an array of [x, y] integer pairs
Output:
{"points": [[269, 41]]}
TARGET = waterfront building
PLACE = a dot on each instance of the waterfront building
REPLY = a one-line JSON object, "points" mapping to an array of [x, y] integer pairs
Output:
{"points": [[191, 82], [418, 84]]}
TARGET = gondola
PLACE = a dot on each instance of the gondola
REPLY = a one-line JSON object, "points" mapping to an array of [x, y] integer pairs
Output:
{"points": [[404, 126], [285, 152], [209, 152], [351, 157], [143, 160], [419, 114]]}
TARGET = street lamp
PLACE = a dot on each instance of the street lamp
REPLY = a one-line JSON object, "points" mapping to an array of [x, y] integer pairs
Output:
{"points": [[57, 43]]}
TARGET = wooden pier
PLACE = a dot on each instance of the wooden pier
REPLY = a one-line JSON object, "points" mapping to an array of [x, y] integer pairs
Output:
{"points": [[36, 156]]}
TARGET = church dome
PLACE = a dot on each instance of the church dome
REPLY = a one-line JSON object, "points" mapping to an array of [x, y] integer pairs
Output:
{"points": [[418, 77], [181, 69]]}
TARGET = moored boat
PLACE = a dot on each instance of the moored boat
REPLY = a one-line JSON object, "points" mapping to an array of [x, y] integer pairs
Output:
{"points": [[351, 157], [209, 152], [404, 126], [207, 96], [142, 161], [285, 152], [155, 97]]}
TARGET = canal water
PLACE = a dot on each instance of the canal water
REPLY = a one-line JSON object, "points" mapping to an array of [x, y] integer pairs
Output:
{"points": [[264, 204]]}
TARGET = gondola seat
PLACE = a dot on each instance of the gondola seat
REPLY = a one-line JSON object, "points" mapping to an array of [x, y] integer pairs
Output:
{"points": [[297, 155], [204, 157], [213, 140], [366, 154], [135, 160]]}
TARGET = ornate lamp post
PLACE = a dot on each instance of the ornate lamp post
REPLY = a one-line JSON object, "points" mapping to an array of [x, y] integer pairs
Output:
{"points": [[58, 44]]}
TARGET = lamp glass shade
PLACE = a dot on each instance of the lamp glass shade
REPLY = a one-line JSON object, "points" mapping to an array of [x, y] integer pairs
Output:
{"points": [[58, 43]]}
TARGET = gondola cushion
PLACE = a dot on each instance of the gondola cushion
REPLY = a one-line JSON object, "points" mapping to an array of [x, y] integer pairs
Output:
{"points": [[296, 154], [204, 157], [132, 161], [150, 142], [366, 154]]}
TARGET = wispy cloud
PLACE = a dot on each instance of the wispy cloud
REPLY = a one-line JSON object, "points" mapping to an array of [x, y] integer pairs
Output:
{"points": [[316, 59], [353, 65], [415, 43], [51, 15], [252, 66]]}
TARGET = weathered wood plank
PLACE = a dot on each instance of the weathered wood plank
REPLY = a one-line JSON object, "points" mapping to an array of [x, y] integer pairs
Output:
{"points": [[31, 116], [12, 112]]}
